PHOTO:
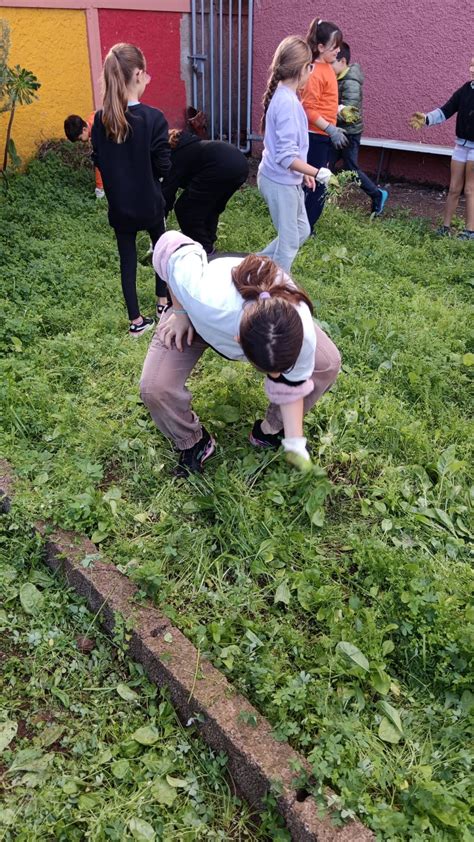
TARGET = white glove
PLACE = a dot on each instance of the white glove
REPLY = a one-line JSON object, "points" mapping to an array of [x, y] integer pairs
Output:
{"points": [[323, 175], [297, 445]]}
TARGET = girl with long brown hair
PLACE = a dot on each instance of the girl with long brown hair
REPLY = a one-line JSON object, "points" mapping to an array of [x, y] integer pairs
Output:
{"points": [[284, 169], [130, 147], [245, 309]]}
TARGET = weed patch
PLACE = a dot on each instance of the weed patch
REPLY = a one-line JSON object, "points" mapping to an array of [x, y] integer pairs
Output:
{"points": [[339, 601]]}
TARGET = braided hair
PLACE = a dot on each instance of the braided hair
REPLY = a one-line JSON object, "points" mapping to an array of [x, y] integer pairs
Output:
{"points": [[290, 58]]}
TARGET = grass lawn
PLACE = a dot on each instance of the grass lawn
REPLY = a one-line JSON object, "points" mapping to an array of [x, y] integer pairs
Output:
{"points": [[339, 601]]}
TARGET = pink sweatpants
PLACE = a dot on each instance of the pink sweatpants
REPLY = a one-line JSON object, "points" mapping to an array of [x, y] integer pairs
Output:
{"points": [[165, 372]]}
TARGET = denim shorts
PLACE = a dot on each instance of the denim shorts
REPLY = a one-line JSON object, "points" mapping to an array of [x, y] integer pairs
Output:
{"points": [[463, 154]]}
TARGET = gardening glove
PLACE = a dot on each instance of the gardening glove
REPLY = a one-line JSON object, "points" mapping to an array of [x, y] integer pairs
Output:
{"points": [[337, 135], [323, 175], [349, 113], [296, 453], [417, 120]]}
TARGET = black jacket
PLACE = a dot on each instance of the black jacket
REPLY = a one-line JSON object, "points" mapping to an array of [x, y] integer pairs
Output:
{"points": [[212, 163], [130, 170], [462, 102]]}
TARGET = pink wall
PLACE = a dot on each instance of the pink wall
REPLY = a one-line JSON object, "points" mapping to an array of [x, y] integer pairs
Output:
{"points": [[158, 35], [414, 55]]}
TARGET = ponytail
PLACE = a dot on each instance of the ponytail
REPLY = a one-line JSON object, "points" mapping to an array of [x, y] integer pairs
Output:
{"points": [[120, 63], [271, 330], [322, 32], [291, 56]]}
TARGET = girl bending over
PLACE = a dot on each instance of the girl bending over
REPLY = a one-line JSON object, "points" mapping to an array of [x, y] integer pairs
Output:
{"points": [[245, 309]]}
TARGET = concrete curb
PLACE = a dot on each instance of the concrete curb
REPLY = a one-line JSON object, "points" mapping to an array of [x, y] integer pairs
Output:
{"points": [[256, 760]]}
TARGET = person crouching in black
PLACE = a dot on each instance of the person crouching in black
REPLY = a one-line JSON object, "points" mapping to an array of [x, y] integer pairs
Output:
{"points": [[210, 172]]}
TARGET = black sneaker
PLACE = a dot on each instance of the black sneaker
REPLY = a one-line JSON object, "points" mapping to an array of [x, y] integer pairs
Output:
{"points": [[160, 310], [466, 235], [192, 459], [443, 231], [261, 439], [142, 327]]}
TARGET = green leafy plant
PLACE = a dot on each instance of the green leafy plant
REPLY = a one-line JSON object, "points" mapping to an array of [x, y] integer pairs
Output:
{"points": [[18, 86]]}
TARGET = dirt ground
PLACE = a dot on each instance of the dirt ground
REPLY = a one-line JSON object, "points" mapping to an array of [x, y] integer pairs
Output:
{"points": [[418, 199]]}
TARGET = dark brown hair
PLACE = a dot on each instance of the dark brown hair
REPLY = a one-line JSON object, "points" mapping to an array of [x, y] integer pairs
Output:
{"points": [[290, 58], [323, 32], [271, 330], [120, 63], [73, 127]]}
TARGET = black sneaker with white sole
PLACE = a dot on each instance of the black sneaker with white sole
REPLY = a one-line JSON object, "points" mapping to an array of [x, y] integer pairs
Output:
{"points": [[142, 327], [260, 439], [192, 459]]}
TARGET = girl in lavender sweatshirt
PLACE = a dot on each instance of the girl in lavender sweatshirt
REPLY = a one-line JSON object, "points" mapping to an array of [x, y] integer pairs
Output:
{"points": [[284, 170]]}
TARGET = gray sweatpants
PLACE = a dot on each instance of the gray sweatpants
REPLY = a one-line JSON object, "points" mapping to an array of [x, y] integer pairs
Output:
{"points": [[165, 372], [287, 210]]}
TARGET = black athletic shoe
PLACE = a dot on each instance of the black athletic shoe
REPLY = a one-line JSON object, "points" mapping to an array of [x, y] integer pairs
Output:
{"points": [[138, 330], [192, 459], [261, 439]]}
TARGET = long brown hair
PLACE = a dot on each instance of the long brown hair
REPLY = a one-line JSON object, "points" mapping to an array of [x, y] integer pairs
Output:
{"points": [[119, 65], [291, 55], [322, 32], [271, 330]]}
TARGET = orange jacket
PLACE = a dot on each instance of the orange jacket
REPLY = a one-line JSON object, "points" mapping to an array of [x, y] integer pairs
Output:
{"points": [[320, 96]]}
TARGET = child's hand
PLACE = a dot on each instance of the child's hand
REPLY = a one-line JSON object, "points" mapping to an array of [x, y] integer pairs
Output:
{"points": [[350, 113], [176, 327], [417, 120], [309, 182]]}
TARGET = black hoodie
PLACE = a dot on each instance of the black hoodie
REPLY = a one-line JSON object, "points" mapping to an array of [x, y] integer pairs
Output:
{"points": [[212, 163], [131, 170]]}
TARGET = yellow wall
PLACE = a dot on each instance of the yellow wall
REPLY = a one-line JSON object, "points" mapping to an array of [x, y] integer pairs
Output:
{"points": [[52, 43]]}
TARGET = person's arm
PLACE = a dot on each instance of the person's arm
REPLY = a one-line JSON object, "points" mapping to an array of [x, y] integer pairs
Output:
{"points": [[93, 140], [160, 149], [438, 115]]}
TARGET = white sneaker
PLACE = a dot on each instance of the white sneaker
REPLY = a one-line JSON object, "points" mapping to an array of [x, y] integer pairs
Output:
{"points": [[99, 193]]}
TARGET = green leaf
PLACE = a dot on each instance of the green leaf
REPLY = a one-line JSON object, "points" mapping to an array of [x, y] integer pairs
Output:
{"points": [[162, 792], [8, 817], [468, 359], [176, 783], [380, 681], [31, 598], [141, 830], [126, 693], [7, 574], [168, 637], [227, 413], [388, 733], [392, 714], [50, 735], [282, 593], [120, 769], [31, 760], [352, 655], [148, 735], [8, 730]]}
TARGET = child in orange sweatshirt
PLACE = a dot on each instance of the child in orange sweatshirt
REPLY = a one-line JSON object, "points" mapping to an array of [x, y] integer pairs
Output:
{"points": [[75, 128], [320, 102]]}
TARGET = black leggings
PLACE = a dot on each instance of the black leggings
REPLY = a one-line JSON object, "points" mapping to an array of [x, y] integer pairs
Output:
{"points": [[127, 248]]}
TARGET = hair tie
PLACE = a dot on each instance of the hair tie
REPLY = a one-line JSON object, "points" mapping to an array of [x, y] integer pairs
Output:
{"points": [[264, 295]]}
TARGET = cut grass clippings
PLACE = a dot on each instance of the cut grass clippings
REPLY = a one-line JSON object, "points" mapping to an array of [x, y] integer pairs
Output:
{"points": [[339, 601]]}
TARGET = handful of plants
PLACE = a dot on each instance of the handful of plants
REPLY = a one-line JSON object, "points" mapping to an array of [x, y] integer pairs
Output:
{"points": [[417, 120], [340, 184], [350, 114]]}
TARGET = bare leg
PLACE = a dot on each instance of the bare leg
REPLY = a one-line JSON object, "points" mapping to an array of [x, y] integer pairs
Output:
{"points": [[469, 194], [455, 189]]}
